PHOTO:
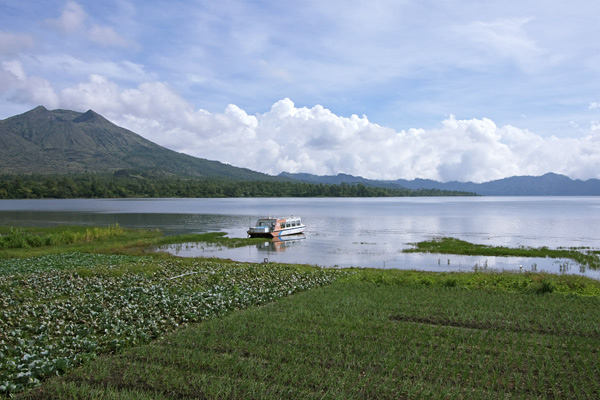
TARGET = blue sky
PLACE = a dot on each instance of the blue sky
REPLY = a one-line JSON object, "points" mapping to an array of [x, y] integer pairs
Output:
{"points": [[440, 89]]}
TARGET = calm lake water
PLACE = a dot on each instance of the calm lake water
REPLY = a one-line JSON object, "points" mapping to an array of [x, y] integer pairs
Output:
{"points": [[364, 232]]}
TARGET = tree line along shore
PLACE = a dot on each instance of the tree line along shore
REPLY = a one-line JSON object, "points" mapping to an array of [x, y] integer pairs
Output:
{"points": [[127, 186]]}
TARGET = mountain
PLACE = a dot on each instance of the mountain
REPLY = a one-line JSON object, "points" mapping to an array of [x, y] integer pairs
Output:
{"points": [[546, 185], [62, 141], [549, 184]]}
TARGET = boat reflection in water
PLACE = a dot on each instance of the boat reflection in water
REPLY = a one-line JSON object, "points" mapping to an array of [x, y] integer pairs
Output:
{"points": [[281, 244], [264, 249]]}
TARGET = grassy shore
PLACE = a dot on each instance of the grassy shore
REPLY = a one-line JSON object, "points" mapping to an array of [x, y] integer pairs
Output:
{"points": [[32, 241], [133, 326]]}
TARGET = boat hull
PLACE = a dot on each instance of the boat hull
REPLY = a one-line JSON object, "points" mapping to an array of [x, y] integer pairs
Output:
{"points": [[278, 233]]}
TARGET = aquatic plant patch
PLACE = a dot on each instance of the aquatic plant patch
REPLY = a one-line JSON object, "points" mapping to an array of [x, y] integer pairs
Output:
{"points": [[55, 318], [585, 257], [212, 239]]}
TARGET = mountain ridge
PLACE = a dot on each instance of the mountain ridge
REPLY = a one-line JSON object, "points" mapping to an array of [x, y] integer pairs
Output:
{"points": [[64, 141], [549, 184]]}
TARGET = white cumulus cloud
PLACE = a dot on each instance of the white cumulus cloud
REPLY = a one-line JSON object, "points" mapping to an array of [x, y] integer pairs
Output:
{"points": [[315, 140], [22, 88]]}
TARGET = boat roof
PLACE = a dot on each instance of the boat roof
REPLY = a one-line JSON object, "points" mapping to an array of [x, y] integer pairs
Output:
{"points": [[278, 218]]}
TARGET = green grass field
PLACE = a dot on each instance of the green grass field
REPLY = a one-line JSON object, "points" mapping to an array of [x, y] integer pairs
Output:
{"points": [[363, 340], [78, 325]]}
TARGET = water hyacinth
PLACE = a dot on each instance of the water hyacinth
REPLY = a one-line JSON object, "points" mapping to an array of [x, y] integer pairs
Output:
{"points": [[61, 310]]}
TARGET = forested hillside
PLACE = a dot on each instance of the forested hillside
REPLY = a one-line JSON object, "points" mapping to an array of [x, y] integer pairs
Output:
{"points": [[123, 185], [68, 142]]}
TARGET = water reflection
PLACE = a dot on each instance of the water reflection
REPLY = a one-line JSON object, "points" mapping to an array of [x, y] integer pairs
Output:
{"points": [[368, 254], [280, 244], [348, 232]]}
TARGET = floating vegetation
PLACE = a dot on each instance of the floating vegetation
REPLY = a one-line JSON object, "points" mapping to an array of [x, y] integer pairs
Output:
{"points": [[584, 256], [58, 311]]}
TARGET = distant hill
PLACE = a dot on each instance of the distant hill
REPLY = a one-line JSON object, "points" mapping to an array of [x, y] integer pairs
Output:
{"points": [[546, 185], [66, 142]]}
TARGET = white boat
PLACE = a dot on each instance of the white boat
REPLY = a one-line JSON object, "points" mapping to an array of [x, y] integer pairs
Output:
{"points": [[276, 227]]}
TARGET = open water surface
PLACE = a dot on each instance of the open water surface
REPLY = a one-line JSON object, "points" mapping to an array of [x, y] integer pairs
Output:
{"points": [[361, 232]]}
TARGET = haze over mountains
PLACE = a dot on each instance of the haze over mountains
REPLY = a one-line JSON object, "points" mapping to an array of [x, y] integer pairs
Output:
{"points": [[67, 142]]}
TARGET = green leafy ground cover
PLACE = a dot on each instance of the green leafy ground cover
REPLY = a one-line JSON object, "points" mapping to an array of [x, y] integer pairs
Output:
{"points": [[79, 262], [58, 311], [366, 337]]}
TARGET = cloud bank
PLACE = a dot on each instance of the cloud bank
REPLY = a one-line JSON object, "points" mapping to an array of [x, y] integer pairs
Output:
{"points": [[316, 140]]}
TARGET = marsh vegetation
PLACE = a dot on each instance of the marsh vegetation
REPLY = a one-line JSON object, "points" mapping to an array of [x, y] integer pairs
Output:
{"points": [[589, 258]]}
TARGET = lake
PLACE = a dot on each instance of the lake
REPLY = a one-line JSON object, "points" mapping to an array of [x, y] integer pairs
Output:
{"points": [[361, 232]]}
